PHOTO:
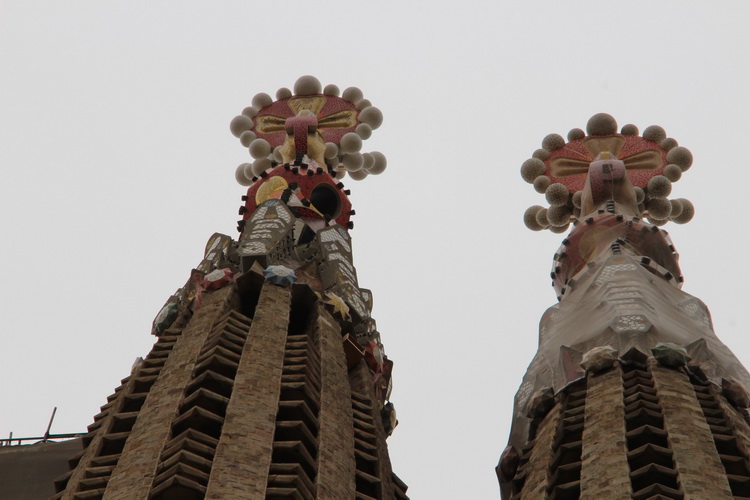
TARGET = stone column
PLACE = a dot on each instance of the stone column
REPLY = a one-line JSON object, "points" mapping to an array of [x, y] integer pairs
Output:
{"points": [[243, 455]]}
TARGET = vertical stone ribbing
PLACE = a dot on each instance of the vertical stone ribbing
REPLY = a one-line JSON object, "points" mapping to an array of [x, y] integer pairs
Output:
{"points": [[730, 433], [605, 472], [535, 486], [738, 424], [360, 378], [131, 479], [243, 455], [695, 456], [336, 463], [73, 482]]}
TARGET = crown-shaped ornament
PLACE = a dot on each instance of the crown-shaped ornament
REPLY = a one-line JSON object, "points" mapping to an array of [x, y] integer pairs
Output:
{"points": [[321, 126], [601, 169]]}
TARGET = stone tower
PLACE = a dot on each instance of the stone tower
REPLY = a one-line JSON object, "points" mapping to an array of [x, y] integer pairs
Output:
{"points": [[631, 395], [268, 378]]}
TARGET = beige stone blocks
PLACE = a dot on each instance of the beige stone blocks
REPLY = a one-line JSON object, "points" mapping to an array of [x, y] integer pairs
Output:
{"points": [[243, 455], [131, 479], [695, 456], [605, 471]]}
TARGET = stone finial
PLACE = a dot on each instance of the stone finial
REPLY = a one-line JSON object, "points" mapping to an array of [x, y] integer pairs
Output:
{"points": [[579, 176], [735, 392], [541, 402], [280, 275], [670, 355], [311, 122], [599, 359]]}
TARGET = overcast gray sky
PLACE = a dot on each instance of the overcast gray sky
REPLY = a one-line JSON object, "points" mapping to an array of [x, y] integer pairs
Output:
{"points": [[117, 165]]}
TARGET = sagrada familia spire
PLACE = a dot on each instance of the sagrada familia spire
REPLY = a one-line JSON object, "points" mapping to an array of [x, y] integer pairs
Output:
{"points": [[268, 378], [631, 395]]}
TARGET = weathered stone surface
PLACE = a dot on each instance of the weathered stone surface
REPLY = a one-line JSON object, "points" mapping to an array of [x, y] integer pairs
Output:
{"points": [[243, 455], [670, 355], [360, 379], [740, 427], [132, 477], [599, 359], [735, 393], [604, 470], [695, 455], [536, 482], [336, 463]]}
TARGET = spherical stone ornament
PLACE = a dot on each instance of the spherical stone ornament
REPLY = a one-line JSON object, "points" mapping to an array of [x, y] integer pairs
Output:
{"points": [[239, 124], [552, 142], [247, 137], [576, 134], [557, 194], [541, 183], [353, 162], [676, 209], [261, 165], [364, 103], [364, 131], [283, 93], [668, 144], [659, 208], [277, 154], [541, 218], [379, 163], [541, 154], [640, 195], [367, 161], [239, 175], [559, 216], [682, 157], [250, 111], [352, 94], [350, 143], [629, 129], [358, 175], [654, 133], [601, 124], [688, 211], [260, 148], [531, 169], [262, 100], [331, 151], [673, 172], [529, 218], [331, 89], [371, 116], [659, 187], [248, 168], [307, 85]]}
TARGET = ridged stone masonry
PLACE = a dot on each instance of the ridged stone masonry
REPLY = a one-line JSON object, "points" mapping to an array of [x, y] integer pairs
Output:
{"points": [[268, 378], [631, 395]]}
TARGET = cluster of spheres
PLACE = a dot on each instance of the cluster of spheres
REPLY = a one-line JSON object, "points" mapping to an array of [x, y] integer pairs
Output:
{"points": [[343, 120], [652, 160]]}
